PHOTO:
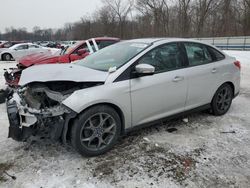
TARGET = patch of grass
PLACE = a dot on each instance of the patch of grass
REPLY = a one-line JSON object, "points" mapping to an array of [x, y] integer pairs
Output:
{"points": [[3, 168]]}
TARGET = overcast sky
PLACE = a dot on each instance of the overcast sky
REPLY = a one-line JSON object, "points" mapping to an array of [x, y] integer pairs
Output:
{"points": [[43, 13]]}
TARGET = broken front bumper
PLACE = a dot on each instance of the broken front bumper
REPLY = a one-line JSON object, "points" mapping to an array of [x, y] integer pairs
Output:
{"points": [[24, 123], [17, 130]]}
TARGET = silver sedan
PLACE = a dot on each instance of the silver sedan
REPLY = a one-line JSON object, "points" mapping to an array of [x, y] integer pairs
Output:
{"points": [[125, 86]]}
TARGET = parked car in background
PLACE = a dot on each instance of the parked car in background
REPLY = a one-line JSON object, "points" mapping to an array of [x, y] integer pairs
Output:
{"points": [[70, 54], [125, 86], [54, 45], [18, 51], [7, 44], [65, 44], [2, 41], [43, 43]]}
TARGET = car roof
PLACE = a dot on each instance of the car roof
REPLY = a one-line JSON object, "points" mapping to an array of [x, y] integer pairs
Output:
{"points": [[22, 44], [105, 38], [161, 40]]}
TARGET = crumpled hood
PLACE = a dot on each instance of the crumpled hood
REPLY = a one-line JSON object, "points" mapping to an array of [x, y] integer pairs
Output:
{"points": [[38, 58], [61, 72]]}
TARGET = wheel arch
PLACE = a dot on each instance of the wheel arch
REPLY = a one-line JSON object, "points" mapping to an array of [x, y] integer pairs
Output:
{"points": [[115, 107], [227, 82], [231, 85], [4, 53]]}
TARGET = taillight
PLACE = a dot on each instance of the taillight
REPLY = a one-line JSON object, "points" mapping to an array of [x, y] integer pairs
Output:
{"points": [[237, 64]]}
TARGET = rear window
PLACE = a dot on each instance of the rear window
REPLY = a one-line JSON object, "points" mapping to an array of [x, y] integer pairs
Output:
{"points": [[198, 54], [217, 56], [104, 44]]}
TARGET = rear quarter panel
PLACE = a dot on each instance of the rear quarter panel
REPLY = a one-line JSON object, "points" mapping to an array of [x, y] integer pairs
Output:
{"points": [[228, 72]]}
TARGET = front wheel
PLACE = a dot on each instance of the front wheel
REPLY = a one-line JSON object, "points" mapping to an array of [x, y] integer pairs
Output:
{"points": [[96, 130], [6, 57], [222, 100]]}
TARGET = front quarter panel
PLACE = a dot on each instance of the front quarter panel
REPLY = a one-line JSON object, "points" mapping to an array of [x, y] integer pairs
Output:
{"points": [[117, 93]]}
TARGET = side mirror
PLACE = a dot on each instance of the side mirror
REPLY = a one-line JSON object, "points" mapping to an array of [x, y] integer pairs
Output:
{"points": [[144, 69], [81, 52]]}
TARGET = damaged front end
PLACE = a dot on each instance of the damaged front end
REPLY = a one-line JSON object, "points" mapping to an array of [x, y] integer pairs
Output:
{"points": [[37, 109], [12, 77]]}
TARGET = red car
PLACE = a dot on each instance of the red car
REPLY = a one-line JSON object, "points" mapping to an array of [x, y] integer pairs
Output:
{"points": [[70, 54]]}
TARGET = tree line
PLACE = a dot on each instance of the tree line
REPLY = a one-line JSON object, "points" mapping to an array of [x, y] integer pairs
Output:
{"points": [[150, 18]]}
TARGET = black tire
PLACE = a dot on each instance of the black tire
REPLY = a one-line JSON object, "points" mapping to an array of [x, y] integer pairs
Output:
{"points": [[3, 95], [7, 57], [222, 100], [88, 132]]}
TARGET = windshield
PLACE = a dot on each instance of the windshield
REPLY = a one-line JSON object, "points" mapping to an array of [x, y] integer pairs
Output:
{"points": [[113, 56]]}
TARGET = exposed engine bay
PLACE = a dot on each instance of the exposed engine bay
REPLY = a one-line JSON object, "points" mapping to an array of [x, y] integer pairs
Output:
{"points": [[37, 108]]}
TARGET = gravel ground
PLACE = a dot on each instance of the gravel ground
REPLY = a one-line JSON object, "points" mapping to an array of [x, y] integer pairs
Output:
{"points": [[198, 151]]}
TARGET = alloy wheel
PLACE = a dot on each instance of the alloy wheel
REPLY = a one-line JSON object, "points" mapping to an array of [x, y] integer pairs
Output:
{"points": [[7, 57], [98, 131], [224, 99]]}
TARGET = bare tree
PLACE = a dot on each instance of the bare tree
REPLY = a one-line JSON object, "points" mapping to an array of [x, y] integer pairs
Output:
{"points": [[159, 11], [121, 9], [184, 17], [150, 18], [202, 9], [246, 16]]}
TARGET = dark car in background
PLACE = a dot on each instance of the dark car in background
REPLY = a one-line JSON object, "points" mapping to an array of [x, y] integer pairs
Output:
{"points": [[9, 43]]}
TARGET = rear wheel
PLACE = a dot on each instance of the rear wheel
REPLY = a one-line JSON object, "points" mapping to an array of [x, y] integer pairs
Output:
{"points": [[7, 57], [96, 130], [222, 100]]}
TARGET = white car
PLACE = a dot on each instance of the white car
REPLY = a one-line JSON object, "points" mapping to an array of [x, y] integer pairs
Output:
{"points": [[121, 88], [18, 51]]}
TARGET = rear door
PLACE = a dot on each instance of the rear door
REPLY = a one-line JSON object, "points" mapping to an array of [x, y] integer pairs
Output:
{"points": [[20, 51], [164, 93], [201, 75]]}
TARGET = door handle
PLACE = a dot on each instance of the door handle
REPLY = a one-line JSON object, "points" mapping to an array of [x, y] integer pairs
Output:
{"points": [[214, 70], [178, 78]]}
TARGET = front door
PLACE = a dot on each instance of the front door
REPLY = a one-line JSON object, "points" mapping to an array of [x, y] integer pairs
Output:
{"points": [[164, 93]]}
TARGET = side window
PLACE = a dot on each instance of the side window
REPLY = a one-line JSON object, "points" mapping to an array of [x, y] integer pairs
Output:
{"points": [[33, 46], [217, 56], [164, 58], [104, 44], [198, 54], [84, 46], [22, 47]]}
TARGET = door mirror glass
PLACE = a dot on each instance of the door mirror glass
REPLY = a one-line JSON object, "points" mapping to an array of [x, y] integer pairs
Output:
{"points": [[144, 69]]}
